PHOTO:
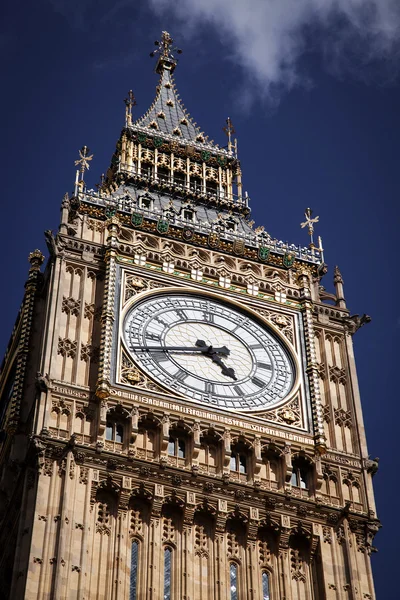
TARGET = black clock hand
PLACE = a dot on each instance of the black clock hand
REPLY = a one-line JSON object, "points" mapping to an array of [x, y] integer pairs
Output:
{"points": [[204, 349], [218, 360]]}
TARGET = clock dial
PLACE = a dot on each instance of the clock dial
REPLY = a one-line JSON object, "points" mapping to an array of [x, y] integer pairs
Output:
{"points": [[209, 351]]}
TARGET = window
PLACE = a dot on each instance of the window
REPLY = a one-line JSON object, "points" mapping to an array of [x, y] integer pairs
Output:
{"points": [[163, 174], [134, 571], [146, 169], [188, 214], [177, 447], [211, 187], [179, 178], [233, 581], [167, 574], [195, 184], [265, 586], [299, 474], [114, 432], [146, 202], [238, 462]]}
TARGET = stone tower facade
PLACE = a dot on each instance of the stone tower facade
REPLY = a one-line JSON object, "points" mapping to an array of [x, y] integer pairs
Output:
{"points": [[180, 416]]}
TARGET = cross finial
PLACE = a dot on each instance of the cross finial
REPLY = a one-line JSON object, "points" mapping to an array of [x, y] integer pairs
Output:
{"points": [[165, 49], [83, 161], [309, 223], [130, 101]]}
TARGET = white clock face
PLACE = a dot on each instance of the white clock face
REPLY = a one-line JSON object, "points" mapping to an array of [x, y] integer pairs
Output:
{"points": [[209, 351]]}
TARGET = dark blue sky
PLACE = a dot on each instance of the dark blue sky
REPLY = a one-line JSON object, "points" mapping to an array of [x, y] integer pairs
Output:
{"points": [[333, 146]]}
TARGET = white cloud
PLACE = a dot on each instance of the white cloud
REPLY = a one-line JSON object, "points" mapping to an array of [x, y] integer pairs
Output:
{"points": [[269, 37]]}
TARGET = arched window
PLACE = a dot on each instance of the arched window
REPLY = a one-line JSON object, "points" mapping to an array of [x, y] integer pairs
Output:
{"points": [[179, 178], [300, 474], [238, 462], [211, 187], [163, 174], [146, 202], [233, 575], [146, 170], [196, 184], [115, 432], [265, 585], [134, 571], [167, 573], [177, 447]]}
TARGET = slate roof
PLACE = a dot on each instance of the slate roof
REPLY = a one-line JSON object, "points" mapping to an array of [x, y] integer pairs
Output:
{"points": [[175, 117]]}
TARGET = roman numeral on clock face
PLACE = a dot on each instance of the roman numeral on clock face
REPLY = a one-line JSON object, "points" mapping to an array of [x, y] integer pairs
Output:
{"points": [[258, 382], [153, 336], [261, 365], [210, 388], [181, 375]]}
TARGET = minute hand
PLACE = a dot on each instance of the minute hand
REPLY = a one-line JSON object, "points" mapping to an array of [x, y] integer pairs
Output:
{"points": [[223, 350]]}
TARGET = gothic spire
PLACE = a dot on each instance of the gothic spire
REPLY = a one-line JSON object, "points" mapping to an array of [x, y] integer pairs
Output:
{"points": [[167, 116]]}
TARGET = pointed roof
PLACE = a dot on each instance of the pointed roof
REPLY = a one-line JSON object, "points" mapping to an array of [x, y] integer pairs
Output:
{"points": [[167, 115]]}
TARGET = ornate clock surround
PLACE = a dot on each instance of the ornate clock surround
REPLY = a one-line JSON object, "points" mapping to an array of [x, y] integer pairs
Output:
{"points": [[293, 413]]}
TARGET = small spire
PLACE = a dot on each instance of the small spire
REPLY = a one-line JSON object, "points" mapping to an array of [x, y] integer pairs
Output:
{"points": [[309, 223], [36, 259], [83, 160], [166, 59], [337, 276], [130, 101], [230, 130]]}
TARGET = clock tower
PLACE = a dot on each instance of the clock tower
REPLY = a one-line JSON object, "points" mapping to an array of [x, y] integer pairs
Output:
{"points": [[179, 413]]}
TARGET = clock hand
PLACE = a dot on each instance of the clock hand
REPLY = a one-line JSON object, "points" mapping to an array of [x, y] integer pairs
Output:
{"points": [[201, 346], [218, 360], [208, 349]]}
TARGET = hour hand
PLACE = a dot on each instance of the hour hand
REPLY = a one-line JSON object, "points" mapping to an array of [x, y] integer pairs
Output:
{"points": [[224, 369], [209, 350]]}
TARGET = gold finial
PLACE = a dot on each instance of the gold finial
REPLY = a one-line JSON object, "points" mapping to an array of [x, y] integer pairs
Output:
{"points": [[165, 51], [309, 222], [83, 160], [130, 101], [229, 130]]}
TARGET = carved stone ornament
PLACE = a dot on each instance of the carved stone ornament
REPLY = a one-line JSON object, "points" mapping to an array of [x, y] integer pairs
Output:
{"points": [[290, 414], [131, 375], [134, 285]]}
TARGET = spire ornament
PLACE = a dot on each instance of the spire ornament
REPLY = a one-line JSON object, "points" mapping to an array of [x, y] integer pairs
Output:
{"points": [[83, 161], [165, 49], [130, 101], [229, 131], [309, 223]]}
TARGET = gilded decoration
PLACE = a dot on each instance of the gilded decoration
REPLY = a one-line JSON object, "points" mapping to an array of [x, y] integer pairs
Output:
{"points": [[290, 414], [131, 375], [283, 322], [135, 285]]}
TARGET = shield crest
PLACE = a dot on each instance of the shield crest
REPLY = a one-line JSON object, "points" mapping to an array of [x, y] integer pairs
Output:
{"points": [[158, 141], [288, 259], [188, 233], [205, 155], [162, 226], [221, 161], [238, 247], [213, 239], [263, 252], [142, 137], [137, 219], [110, 211]]}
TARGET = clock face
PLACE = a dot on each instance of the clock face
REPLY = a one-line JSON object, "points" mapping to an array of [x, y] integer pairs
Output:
{"points": [[209, 351]]}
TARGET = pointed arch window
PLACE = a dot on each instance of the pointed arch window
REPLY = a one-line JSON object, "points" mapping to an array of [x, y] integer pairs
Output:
{"points": [[167, 573], [238, 462], [134, 571], [233, 576], [114, 432], [265, 585], [177, 447]]}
